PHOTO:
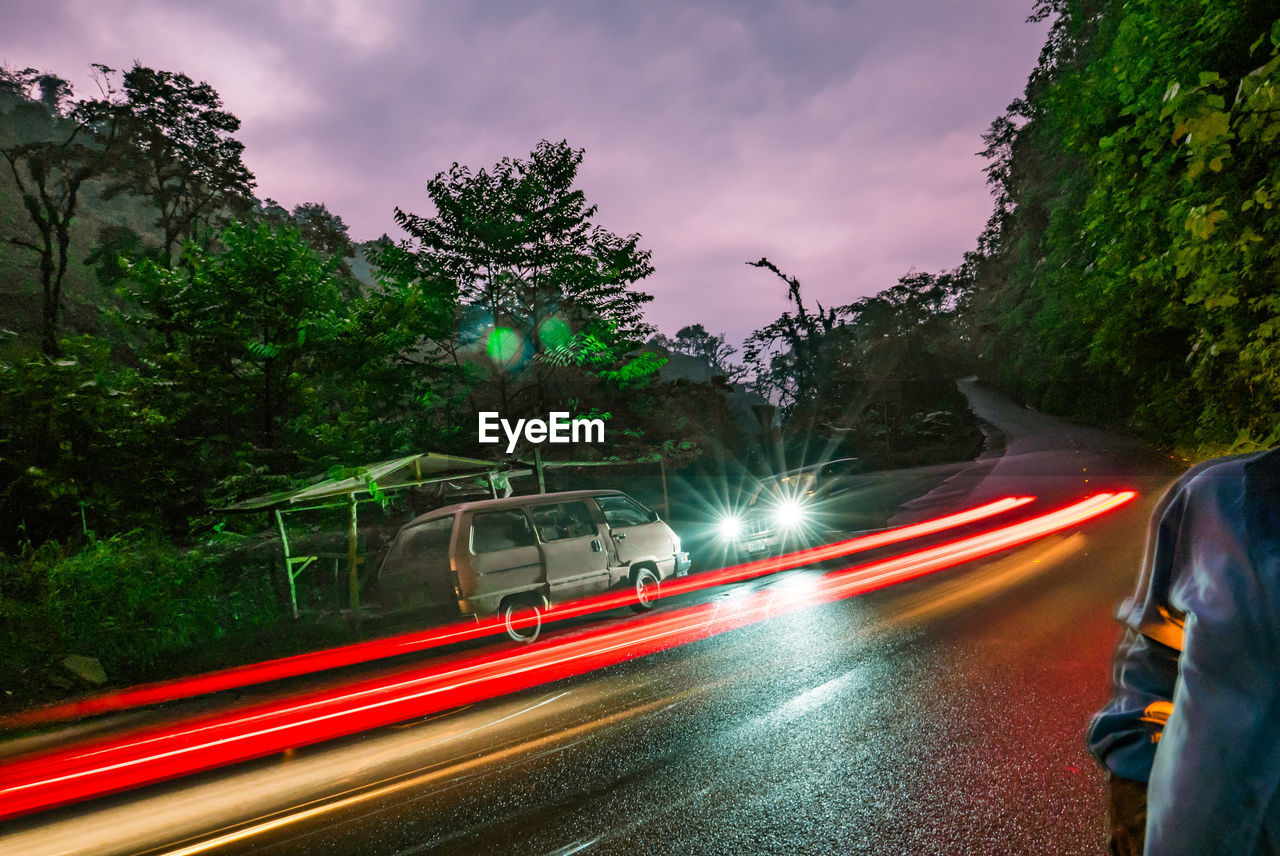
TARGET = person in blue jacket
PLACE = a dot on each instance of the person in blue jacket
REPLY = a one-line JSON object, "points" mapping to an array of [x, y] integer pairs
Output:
{"points": [[1191, 736]]}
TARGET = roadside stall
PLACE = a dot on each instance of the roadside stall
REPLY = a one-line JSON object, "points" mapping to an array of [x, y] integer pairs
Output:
{"points": [[450, 478]]}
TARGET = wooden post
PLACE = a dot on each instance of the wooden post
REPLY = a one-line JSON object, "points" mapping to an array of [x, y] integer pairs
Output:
{"points": [[288, 565], [353, 577], [666, 503], [537, 465], [413, 491]]}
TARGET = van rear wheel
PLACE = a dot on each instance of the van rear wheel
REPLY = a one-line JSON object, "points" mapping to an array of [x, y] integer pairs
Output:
{"points": [[522, 618], [647, 587]]}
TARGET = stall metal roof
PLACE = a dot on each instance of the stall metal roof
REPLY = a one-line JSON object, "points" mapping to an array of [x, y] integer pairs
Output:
{"points": [[409, 471]]}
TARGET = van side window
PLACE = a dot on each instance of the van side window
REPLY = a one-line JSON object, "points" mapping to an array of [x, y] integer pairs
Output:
{"points": [[492, 531], [428, 541], [563, 520], [432, 538], [622, 510]]}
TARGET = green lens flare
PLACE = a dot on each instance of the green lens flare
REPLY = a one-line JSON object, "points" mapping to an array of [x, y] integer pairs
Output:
{"points": [[504, 345], [554, 332]]}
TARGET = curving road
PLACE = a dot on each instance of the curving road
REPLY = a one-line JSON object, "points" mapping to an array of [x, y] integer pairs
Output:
{"points": [[940, 716]]}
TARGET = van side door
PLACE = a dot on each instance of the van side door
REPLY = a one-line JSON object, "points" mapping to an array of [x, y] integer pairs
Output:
{"points": [[504, 558], [573, 549]]}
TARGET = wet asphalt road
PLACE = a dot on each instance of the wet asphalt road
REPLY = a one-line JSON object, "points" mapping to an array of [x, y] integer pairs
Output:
{"points": [[941, 716]]}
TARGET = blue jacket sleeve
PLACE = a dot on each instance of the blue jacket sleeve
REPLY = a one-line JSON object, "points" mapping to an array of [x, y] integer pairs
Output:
{"points": [[1123, 735]]}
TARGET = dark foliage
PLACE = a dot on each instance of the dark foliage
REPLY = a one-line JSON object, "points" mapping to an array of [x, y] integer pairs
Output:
{"points": [[1128, 272]]}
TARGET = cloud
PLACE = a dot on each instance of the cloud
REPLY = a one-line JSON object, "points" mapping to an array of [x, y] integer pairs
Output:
{"points": [[836, 138]]}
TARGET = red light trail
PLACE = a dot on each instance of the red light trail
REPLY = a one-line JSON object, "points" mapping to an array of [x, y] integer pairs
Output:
{"points": [[153, 754], [363, 652]]}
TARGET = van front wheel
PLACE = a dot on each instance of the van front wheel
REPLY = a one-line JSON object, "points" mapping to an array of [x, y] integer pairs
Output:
{"points": [[647, 587], [522, 617]]}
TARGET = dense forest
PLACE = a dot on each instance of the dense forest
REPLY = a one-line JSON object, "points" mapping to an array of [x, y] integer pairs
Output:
{"points": [[1129, 272], [171, 344]]}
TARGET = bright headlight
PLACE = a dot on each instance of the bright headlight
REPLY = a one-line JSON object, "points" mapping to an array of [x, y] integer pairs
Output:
{"points": [[789, 513], [729, 528]]}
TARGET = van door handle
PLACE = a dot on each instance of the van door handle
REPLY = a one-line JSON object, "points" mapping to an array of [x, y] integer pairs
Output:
{"points": [[620, 536], [595, 546]]}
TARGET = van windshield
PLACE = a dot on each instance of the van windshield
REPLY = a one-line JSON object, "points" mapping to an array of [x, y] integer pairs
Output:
{"points": [[787, 484], [621, 510]]}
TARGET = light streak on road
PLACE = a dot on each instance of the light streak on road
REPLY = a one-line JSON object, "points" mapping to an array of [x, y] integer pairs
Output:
{"points": [[157, 753], [448, 773], [363, 652], [964, 591]]}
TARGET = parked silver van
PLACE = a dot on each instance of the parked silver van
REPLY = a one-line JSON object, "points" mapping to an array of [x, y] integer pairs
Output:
{"points": [[518, 557]]}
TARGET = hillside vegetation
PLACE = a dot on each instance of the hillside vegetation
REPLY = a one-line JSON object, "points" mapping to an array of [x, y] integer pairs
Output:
{"points": [[1130, 273]]}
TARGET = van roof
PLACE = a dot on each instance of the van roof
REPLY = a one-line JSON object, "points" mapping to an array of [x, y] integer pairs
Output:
{"points": [[488, 504]]}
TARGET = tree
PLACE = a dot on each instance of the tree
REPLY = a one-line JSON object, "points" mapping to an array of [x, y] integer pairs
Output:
{"points": [[240, 332], [392, 386], [183, 156], [50, 157], [267, 365], [520, 244], [325, 231], [786, 352], [248, 367], [1127, 273], [694, 340], [880, 370]]}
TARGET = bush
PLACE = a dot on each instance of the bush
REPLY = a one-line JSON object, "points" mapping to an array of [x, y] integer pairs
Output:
{"points": [[130, 601], [135, 602]]}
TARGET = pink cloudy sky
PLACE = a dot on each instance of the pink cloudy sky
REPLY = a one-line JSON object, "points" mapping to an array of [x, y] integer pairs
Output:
{"points": [[837, 138]]}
